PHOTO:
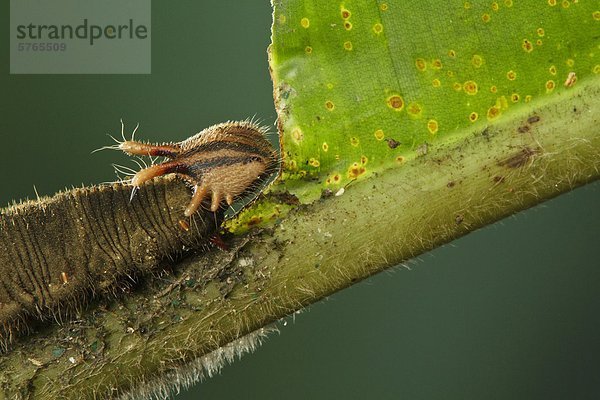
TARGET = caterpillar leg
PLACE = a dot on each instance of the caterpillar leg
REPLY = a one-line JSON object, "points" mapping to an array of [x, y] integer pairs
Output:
{"points": [[157, 170], [216, 200], [144, 149], [199, 194]]}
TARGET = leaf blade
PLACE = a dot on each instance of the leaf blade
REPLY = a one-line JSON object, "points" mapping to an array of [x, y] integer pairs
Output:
{"points": [[365, 86]]}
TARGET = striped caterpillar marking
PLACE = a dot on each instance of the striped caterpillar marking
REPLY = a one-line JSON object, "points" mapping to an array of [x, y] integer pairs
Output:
{"points": [[56, 252]]}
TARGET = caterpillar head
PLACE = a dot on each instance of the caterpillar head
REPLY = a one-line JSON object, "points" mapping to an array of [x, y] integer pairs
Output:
{"points": [[222, 162]]}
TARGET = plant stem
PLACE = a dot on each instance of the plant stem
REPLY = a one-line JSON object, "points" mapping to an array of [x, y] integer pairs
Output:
{"points": [[155, 336]]}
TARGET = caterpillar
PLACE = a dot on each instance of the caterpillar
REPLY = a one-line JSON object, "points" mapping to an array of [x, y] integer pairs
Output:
{"points": [[56, 253]]}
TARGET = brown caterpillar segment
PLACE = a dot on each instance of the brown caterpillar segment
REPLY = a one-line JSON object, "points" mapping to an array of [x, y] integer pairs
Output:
{"points": [[224, 161], [56, 251]]}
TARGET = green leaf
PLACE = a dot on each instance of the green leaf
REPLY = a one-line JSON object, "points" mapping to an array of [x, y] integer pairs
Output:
{"points": [[362, 86]]}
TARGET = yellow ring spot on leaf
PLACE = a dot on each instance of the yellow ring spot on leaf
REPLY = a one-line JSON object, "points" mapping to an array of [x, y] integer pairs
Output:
{"points": [[325, 147], [399, 159], [414, 110], [297, 134], [348, 45], [436, 64], [383, 7], [378, 28], [305, 22], [515, 97], [395, 102], [508, 3], [550, 85], [486, 17], [308, 50], [379, 134], [451, 53], [540, 32], [527, 46], [596, 69], [493, 89], [436, 83], [348, 25], [551, 3], [527, 98], [477, 61], [364, 160], [596, 15], [354, 141], [457, 86], [493, 113], [470, 87], [420, 64], [570, 62], [329, 105], [495, 6], [511, 75], [566, 3], [432, 126], [539, 42], [313, 162], [473, 116], [345, 13], [552, 70]]}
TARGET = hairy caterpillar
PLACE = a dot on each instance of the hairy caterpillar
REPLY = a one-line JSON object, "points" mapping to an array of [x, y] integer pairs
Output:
{"points": [[56, 252]]}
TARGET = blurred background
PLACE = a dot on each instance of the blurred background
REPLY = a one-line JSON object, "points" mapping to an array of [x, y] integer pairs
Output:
{"points": [[510, 311]]}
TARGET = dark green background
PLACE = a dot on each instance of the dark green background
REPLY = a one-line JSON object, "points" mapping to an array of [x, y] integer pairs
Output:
{"points": [[510, 311]]}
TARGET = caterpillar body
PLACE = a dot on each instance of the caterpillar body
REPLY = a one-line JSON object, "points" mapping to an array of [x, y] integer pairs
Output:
{"points": [[57, 252]]}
